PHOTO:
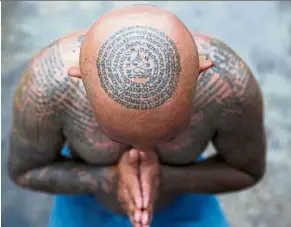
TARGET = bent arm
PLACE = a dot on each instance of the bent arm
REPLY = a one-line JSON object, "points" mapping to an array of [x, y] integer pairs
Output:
{"points": [[36, 138], [38, 168], [240, 159], [65, 177], [208, 177]]}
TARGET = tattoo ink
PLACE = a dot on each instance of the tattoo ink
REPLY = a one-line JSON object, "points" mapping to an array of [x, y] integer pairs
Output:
{"points": [[139, 67]]}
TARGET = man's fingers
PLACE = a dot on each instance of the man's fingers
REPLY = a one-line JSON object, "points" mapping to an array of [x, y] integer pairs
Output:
{"points": [[142, 156], [135, 188], [135, 191], [149, 184], [145, 217], [135, 185], [148, 170], [133, 156], [150, 214], [137, 215], [146, 187], [146, 196], [131, 178], [130, 207], [144, 180], [131, 213], [131, 220]]}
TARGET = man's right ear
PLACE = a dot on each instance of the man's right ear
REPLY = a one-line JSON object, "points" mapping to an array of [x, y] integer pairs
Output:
{"points": [[75, 72]]}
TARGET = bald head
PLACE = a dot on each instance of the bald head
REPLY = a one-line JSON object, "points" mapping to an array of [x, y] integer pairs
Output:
{"points": [[139, 66]]}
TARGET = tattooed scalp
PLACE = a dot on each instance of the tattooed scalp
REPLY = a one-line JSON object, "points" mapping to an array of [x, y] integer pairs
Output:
{"points": [[139, 67], [135, 71]]}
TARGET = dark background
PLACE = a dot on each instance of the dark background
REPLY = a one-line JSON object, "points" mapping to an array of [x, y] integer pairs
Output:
{"points": [[260, 32]]}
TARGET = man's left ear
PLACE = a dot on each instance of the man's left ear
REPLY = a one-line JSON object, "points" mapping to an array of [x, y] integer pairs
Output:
{"points": [[75, 72], [204, 64]]}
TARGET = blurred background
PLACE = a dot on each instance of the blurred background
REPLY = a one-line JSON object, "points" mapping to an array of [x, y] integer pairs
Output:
{"points": [[260, 32]]}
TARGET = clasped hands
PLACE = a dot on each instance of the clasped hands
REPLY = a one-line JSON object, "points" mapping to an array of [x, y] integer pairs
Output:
{"points": [[138, 185]]}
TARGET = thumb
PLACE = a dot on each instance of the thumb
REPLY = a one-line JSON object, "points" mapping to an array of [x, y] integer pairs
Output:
{"points": [[133, 183], [133, 156]]}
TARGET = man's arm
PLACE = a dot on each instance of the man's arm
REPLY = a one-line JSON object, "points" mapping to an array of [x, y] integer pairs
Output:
{"points": [[36, 136], [240, 159]]}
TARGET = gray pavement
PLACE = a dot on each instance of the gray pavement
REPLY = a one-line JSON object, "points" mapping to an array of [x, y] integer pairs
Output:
{"points": [[260, 32]]}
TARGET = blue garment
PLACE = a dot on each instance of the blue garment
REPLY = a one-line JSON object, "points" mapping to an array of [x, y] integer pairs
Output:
{"points": [[188, 210]]}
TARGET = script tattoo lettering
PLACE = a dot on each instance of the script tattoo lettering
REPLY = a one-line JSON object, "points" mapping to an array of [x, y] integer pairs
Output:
{"points": [[139, 67]]}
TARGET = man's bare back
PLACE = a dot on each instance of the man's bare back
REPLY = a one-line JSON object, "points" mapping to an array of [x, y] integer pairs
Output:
{"points": [[63, 107]]}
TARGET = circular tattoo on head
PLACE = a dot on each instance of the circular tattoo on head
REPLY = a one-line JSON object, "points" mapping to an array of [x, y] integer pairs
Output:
{"points": [[139, 67]]}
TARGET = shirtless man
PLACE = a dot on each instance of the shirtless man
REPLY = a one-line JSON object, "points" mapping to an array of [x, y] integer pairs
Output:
{"points": [[141, 103]]}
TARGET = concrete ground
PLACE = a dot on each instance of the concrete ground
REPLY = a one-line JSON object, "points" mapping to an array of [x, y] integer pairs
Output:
{"points": [[258, 31]]}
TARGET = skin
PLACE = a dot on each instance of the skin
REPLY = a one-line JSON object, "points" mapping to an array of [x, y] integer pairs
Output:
{"points": [[50, 109]]}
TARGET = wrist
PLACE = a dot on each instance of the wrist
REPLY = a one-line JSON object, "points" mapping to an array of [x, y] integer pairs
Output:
{"points": [[170, 179], [164, 179], [108, 181]]}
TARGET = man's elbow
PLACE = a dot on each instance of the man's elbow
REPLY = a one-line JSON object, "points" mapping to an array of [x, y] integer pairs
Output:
{"points": [[13, 176], [258, 175], [16, 176]]}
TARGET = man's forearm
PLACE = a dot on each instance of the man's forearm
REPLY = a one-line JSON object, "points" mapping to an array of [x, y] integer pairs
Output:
{"points": [[205, 177], [69, 178]]}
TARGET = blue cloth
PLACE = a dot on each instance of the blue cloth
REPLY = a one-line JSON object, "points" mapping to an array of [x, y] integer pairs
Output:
{"points": [[188, 210]]}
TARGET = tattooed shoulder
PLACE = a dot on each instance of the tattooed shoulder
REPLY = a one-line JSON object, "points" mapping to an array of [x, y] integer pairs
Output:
{"points": [[224, 89], [44, 82], [45, 85]]}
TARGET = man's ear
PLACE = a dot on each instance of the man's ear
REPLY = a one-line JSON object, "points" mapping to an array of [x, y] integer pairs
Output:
{"points": [[75, 72], [204, 64]]}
